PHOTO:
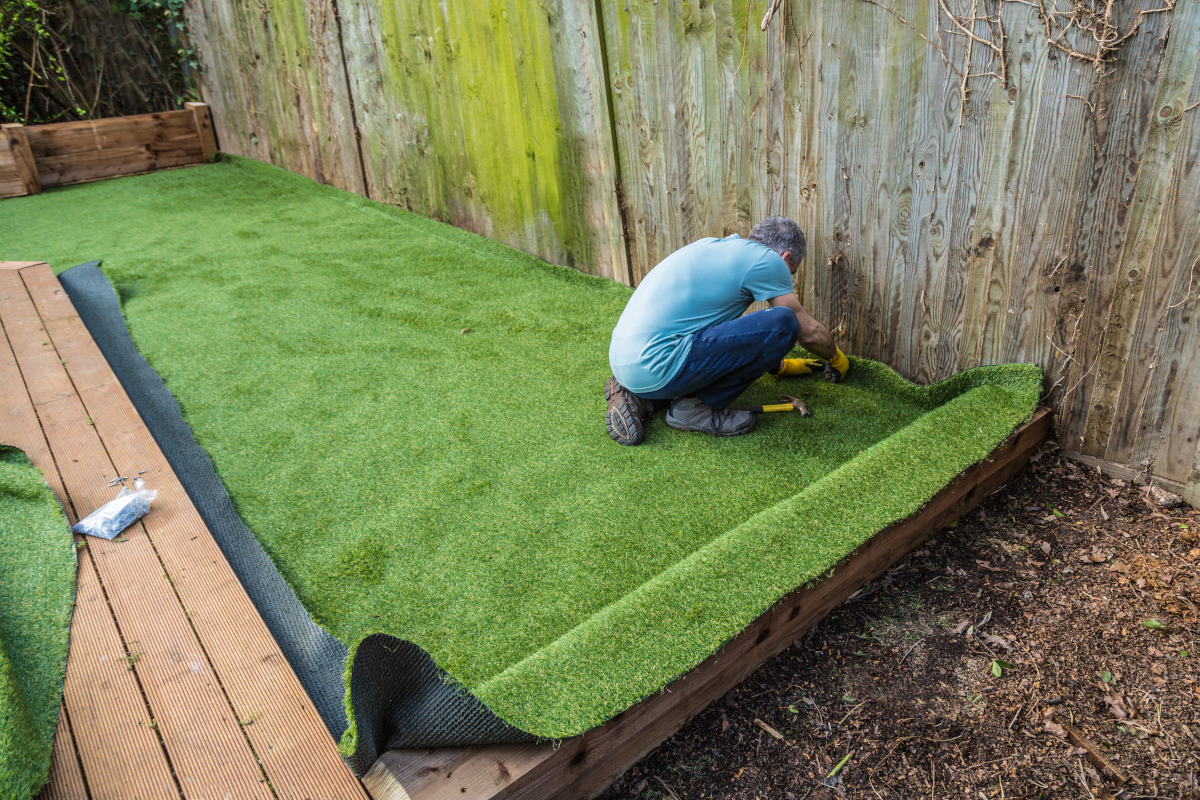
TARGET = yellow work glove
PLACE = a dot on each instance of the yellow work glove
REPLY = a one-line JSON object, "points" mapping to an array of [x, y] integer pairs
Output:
{"points": [[836, 370], [799, 366]]}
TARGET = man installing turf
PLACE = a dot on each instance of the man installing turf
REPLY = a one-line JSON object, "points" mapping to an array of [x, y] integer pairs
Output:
{"points": [[683, 338]]}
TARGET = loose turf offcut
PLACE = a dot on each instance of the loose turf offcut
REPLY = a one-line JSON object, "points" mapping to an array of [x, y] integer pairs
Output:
{"points": [[37, 594], [410, 418]]}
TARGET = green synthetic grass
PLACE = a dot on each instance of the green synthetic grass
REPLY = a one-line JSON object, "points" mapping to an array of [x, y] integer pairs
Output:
{"points": [[459, 489], [37, 594]]}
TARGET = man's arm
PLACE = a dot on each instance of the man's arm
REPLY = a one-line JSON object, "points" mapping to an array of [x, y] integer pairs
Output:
{"points": [[814, 337]]}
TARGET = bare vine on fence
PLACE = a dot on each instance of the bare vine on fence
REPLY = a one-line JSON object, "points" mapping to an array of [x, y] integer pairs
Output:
{"points": [[1100, 34]]}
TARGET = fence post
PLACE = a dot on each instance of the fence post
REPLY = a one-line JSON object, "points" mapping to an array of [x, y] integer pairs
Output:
{"points": [[23, 157], [204, 128]]}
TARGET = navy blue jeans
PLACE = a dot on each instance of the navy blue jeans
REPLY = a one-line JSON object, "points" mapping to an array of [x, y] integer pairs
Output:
{"points": [[725, 359]]}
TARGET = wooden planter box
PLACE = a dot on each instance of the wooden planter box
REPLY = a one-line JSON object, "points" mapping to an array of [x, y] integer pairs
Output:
{"points": [[40, 156]]}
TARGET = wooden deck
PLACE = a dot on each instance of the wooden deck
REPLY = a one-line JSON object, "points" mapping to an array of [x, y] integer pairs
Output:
{"points": [[174, 686]]}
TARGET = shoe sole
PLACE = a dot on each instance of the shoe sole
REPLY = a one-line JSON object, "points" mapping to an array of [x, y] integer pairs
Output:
{"points": [[623, 425]]}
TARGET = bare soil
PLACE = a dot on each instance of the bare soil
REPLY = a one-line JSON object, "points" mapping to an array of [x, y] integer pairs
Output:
{"points": [[1080, 590]]}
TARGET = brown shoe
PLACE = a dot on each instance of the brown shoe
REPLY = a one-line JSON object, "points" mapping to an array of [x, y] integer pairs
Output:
{"points": [[626, 414]]}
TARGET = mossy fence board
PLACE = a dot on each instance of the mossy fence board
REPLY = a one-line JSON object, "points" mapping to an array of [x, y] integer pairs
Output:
{"points": [[1051, 217]]}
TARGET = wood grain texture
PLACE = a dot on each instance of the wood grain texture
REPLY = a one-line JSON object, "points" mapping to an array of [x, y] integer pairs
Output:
{"points": [[22, 158], [10, 181], [66, 778], [1192, 491], [274, 76], [88, 150], [100, 692], [584, 766], [1155, 421], [938, 240], [1165, 120], [492, 116], [204, 129], [1140, 477], [199, 731]]}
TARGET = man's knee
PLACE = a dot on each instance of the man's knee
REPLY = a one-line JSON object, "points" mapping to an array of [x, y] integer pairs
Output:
{"points": [[785, 326]]}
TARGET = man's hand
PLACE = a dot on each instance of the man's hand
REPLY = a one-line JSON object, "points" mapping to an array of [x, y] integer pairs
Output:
{"points": [[792, 367], [836, 369]]}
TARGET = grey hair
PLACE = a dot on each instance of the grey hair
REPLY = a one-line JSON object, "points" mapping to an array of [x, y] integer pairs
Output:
{"points": [[780, 234]]}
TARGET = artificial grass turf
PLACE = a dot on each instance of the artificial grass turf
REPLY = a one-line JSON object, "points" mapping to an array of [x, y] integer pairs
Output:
{"points": [[37, 595], [458, 489]]}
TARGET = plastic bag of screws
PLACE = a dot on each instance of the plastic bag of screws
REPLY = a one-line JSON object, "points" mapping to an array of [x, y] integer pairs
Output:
{"points": [[117, 514]]}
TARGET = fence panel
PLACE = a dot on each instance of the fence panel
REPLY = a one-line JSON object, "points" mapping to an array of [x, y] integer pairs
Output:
{"points": [[961, 208]]}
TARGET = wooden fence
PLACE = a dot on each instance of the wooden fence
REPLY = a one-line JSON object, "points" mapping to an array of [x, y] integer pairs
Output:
{"points": [[981, 181], [41, 156]]}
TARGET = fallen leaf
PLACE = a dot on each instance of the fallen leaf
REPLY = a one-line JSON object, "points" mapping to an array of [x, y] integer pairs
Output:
{"points": [[998, 641], [1046, 548], [1117, 706], [961, 626], [1154, 625]]}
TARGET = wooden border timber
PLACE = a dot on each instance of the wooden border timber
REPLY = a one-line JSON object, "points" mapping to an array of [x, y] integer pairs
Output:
{"points": [[204, 128], [64, 153], [18, 147], [586, 765], [1114, 470]]}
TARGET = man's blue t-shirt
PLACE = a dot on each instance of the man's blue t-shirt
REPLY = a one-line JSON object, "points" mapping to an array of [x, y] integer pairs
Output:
{"points": [[698, 286]]}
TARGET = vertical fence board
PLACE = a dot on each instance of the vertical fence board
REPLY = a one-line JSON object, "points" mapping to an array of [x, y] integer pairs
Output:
{"points": [[1165, 116], [494, 117], [1156, 420], [272, 73]]}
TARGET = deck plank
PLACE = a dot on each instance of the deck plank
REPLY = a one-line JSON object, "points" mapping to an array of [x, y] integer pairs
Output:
{"points": [[98, 691], [296, 751], [200, 731], [66, 779]]}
